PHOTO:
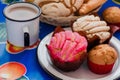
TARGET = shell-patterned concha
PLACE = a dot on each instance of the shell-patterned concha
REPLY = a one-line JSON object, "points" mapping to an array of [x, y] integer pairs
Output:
{"points": [[73, 4], [92, 26], [52, 7], [55, 9]]}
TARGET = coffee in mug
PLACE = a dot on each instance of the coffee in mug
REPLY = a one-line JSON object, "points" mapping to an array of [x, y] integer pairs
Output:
{"points": [[22, 22]]}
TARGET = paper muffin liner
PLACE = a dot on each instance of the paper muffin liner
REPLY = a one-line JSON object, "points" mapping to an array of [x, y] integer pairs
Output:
{"points": [[100, 69], [68, 66], [114, 27], [65, 65]]}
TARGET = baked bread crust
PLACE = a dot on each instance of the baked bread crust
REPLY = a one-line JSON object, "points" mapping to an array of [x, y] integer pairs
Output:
{"points": [[52, 14], [90, 5], [103, 54], [112, 14], [92, 26]]}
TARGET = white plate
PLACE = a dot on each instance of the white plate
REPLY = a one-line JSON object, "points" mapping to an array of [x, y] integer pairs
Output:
{"points": [[83, 73]]}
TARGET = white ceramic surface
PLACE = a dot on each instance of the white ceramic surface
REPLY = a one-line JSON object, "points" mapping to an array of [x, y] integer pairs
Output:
{"points": [[83, 73], [19, 16]]}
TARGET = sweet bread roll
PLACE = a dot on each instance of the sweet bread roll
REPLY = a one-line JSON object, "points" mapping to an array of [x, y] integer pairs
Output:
{"points": [[112, 14], [102, 58], [92, 26], [90, 5], [62, 12], [95, 30], [74, 5], [55, 9], [64, 7], [42, 2]]}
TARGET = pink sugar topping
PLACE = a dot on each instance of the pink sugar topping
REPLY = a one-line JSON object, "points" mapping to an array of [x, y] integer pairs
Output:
{"points": [[67, 44]]}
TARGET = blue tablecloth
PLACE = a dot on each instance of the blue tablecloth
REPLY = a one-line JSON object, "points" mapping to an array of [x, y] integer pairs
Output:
{"points": [[29, 57]]}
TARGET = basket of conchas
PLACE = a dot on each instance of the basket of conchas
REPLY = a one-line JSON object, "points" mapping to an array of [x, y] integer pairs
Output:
{"points": [[64, 12]]}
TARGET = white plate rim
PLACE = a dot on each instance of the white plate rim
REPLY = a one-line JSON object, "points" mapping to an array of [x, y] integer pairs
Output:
{"points": [[114, 42]]}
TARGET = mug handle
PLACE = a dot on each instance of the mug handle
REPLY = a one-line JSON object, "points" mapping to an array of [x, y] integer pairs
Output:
{"points": [[26, 36]]}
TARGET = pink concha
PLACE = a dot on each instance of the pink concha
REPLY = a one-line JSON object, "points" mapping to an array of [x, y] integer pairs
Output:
{"points": [[69, 35], [66, 49], [58, 42], [77, 37], [62, 39]]}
